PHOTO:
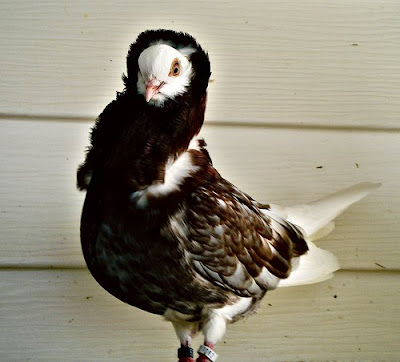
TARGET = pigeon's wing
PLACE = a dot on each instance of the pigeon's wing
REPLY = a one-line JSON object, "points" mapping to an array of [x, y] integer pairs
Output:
{"points": [[237, 245]]}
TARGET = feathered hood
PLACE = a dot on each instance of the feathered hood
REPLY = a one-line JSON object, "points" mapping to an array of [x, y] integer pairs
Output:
{"points": [[178, 40]]}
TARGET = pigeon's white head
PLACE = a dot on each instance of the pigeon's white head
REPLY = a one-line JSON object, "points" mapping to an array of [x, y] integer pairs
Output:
{"points": [[164, 72]]}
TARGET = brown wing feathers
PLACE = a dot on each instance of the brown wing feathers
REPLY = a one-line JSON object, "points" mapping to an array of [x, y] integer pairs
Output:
{"points": [[234, 244]]}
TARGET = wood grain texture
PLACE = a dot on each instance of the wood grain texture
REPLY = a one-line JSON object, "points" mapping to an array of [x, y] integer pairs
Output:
{"points": [[292, 62], [40, 206], [65, 315]]}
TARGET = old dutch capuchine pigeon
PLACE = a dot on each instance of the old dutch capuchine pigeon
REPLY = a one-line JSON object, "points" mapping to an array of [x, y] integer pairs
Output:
{"points": [[162, 230]]}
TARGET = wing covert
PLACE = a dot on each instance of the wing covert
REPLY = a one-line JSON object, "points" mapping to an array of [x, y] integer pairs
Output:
{"points": [[236, 242]]}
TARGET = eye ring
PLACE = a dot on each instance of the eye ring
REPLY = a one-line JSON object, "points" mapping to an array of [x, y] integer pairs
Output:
{"points": [[175, 68]]}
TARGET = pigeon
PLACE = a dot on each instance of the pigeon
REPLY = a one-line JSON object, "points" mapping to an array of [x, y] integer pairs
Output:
{"points": [[162, 230]]}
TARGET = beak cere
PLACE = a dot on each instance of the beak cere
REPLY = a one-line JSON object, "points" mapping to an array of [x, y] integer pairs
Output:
{"points": [[153, 87]]}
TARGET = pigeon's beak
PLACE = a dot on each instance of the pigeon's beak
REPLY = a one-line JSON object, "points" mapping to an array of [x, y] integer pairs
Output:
{"points": [[153, 87]]}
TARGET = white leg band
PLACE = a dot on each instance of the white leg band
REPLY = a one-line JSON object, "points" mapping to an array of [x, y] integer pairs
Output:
{"points": [[208, 352]]}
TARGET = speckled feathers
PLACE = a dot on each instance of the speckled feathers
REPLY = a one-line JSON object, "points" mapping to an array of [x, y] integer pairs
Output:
{"points": [[161, 229]]}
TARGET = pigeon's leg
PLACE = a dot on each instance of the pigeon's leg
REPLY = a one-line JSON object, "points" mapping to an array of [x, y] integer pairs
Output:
{"points": [[185, 354], [214, 329], [185, 332], [206, 352]]}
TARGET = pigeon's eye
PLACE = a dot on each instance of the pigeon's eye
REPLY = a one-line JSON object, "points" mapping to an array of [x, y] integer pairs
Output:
{"points": [[175, 68]]}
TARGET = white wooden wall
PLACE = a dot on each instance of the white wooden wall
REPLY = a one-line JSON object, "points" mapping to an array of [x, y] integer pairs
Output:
{"points": [[305, 99]]}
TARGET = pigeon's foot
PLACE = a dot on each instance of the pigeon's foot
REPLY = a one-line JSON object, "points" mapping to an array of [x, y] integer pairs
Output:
{"points": [[206, 353], [185, 354], [202, 358]]}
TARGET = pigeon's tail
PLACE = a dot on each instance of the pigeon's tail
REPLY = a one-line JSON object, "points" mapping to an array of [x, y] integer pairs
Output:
{"points": [[316, 220]]}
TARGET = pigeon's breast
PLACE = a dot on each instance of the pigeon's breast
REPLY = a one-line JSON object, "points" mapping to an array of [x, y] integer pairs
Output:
{"points": [[138, 257]]}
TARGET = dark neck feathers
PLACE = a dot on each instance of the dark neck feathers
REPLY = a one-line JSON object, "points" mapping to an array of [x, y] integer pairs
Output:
{"points": [[132, 140]]}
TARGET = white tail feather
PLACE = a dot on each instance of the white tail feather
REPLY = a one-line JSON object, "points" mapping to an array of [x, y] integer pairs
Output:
{"points": [[314, 217], [316, 220], [315, 266]]}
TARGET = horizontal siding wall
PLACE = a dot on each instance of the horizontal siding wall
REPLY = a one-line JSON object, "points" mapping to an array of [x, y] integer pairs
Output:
{"points": [[65, 315], [273, 62], [41, 206], [304, 100]]}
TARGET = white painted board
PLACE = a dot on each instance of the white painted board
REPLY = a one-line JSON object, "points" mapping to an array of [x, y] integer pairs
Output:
{"points": [[275, 62], [40, 206], [64, 315]]}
